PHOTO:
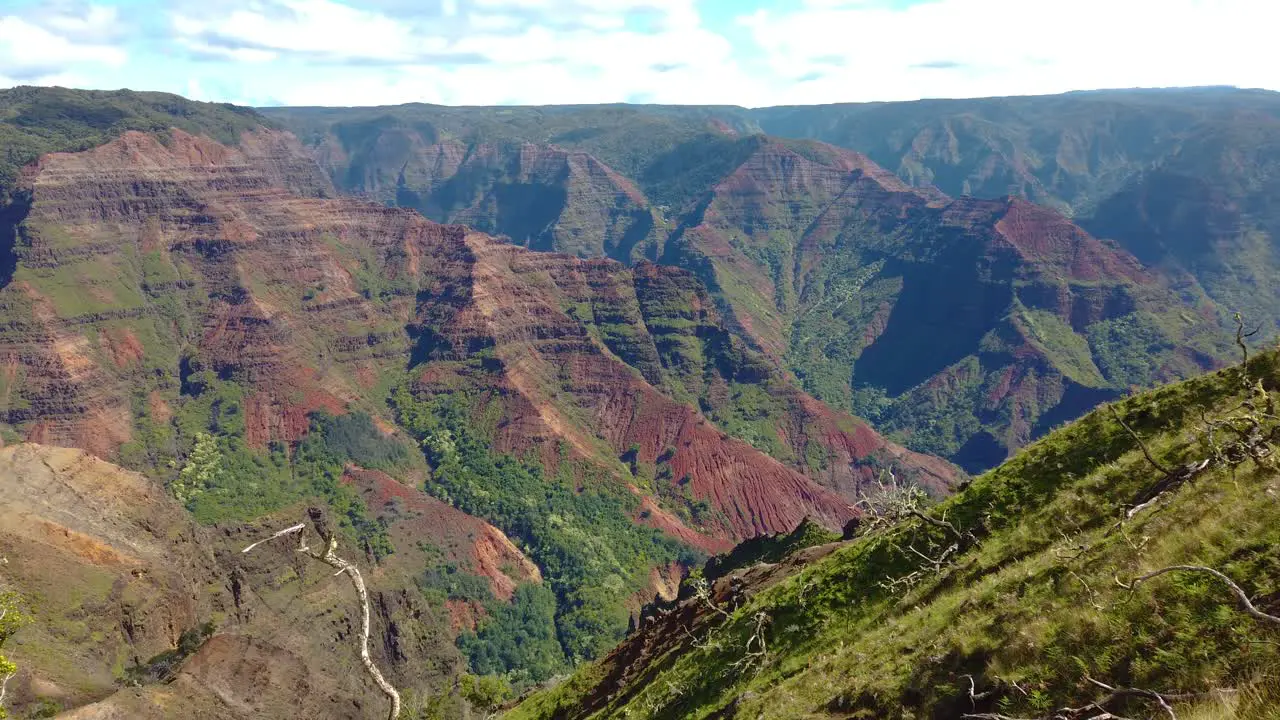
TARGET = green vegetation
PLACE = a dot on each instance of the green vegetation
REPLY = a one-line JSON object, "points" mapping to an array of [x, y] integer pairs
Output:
{"points": [[13, 617], [354, 438], [856, 289], [162, 667], [447, 581], [223, 478], [1023, 582], [517, 640], [768, 549], [35, 121], [484, 692], [581, 533]]}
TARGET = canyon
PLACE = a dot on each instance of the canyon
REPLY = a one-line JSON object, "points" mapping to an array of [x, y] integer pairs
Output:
{"points": [[166, 290], [539, 365]]}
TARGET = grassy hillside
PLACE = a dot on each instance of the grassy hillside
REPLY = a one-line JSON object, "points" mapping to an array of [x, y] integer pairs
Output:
{"points": [[1027, 583]]}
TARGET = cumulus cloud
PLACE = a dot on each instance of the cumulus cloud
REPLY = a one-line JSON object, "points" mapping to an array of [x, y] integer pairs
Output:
{"points": [[968, 48], [50, 46], [672, 51]]}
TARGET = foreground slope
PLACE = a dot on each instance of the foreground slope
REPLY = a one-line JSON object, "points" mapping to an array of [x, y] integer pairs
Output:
{"points": [[1026, 584]]}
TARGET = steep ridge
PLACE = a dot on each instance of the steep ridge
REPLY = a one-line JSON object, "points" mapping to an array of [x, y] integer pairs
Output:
{"points": [[124, 587], [1049, 587], [541, 197], [1067, 151], [1181, 178], [962, 327], [968, 326], [264, 243], [1209, 209]]}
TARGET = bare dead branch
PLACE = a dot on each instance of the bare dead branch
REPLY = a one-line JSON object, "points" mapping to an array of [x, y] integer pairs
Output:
{"points": [[1097, 710], [975, 696], [1236, 590], [702, 591], [4, 688], [1241, 336], [329, 557], [1093, 595], [951, 529], [282, 533], [756, 651], [1061, 553], [1141, 443]]}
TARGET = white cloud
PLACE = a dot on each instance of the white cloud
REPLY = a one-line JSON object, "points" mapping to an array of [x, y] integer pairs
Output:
{"points": [[494, 51], [573, 51], [967, 48], [46, 52]]}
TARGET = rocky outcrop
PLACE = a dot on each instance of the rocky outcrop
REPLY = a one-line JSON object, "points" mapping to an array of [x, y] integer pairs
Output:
{"points": [[541, 197], [882, 295]]}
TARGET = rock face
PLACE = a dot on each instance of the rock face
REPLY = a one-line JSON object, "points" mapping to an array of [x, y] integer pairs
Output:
{"points": [[140, 264], [965, 327], [164, 288], [161, 289], [541, 197]]}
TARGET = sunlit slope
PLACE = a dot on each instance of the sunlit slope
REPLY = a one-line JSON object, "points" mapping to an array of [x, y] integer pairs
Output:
{"points": [[1023, 583]]}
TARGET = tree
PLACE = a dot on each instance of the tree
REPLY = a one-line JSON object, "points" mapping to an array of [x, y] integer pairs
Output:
{"points": [[12, 618], [484, 692], [202, 468]]}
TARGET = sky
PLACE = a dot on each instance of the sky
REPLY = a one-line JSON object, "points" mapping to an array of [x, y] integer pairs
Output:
{"points": [[740, 52]]}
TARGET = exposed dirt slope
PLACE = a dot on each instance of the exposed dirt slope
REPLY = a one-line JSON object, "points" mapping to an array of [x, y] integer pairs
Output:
{"points": [[115, 572]]}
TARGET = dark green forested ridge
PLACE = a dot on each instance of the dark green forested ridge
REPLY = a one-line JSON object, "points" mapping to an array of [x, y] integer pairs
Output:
{"points": [[1040, 582], [39, 120]]}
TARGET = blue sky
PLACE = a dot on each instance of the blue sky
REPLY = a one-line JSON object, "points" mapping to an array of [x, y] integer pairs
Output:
{"points": [[744, 52]]}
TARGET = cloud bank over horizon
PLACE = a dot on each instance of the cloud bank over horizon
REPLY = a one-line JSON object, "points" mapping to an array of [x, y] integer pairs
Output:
{"points": [[739, 52]]}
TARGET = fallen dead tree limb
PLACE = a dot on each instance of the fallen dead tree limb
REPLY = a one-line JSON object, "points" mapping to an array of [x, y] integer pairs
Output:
{"points": [[329, 557], [1146, 452], [1236, 590], [1097, 710]]}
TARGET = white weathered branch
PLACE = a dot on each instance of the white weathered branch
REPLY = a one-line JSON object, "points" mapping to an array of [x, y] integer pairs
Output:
{"points": [[4, 687], [1239, 592], [1097, 710], [282, 533], [330, 558]]}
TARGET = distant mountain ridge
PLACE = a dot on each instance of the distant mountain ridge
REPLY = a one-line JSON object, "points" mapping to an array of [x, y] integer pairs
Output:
{"points": [[769, 223]]}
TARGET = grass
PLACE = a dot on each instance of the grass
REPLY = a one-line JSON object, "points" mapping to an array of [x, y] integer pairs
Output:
{"points": [[1033, 602], [85, 288]]}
